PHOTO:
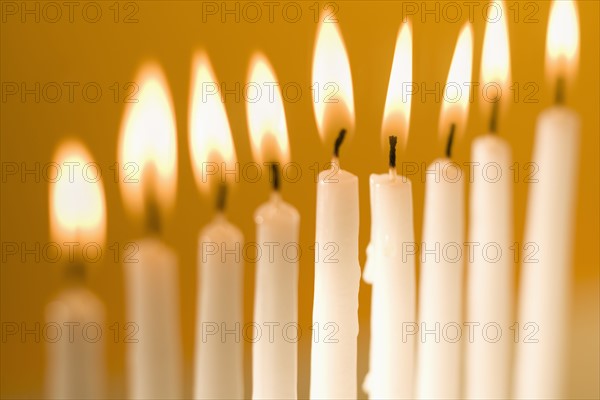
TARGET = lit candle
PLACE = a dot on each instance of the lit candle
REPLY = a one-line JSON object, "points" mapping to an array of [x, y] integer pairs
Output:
{"points": [[390, 267], [75, 362], [440, 285], [148, 147], [219, 350], [274, 355], [335, 305], [546, 271], [490, 265]]}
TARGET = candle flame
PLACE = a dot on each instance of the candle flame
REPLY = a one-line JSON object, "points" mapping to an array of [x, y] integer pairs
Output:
{"points": [[209, 131], [396, 116], [455, 105], [148, 144], [265, 113], [77, 201], [333, 98], [562, 40], [495, 62]]}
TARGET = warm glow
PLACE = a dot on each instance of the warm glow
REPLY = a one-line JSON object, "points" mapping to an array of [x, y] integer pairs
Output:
{"points": [[209, 131], [455, 103], [264, 110], [495, 59], [562, 41], [77, 202], [333, 98], [148, 144], [396, 116]]}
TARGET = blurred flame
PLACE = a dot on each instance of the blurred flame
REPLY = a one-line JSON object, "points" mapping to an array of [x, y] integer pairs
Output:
{"points": [[148, 144], [495, 58], [77, 202], [265, 113], [209, 131], [396, 116], [333, 98], [562, 40], [455, 104]]}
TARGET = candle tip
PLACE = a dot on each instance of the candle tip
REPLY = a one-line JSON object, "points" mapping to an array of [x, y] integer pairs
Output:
{"points": [[275, 176], [392, 160], [338, 143], [450, 140], [221, 197]]}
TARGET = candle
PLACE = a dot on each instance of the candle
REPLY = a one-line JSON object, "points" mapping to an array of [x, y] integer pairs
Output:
{"points": [[219, 358], [75, 361], [440, 285], [490, 263], [337, 278], [219, 349], [148, 147], [390, 267], [275, 353], [546, 271]]}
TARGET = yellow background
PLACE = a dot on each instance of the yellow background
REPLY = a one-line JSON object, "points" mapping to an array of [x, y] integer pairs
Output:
{"points": [[169, 32]]}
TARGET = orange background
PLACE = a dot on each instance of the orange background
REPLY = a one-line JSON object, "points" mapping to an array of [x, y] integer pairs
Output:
{"points": [[169, 32]]}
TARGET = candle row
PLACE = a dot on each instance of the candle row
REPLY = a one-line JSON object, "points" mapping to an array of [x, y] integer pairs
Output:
{"points": [[400, 365]]}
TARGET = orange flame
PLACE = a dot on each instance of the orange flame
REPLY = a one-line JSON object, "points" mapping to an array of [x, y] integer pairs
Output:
{"points": [[209, 131], [77, 201], [333, 98], [265, 113], [455, 106], [396, 116], [148, 144]]}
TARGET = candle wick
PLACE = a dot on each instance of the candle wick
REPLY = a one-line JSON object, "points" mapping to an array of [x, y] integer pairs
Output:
{"points": [[392, 160], [494, 117], [221, 197], [152, 214], [338, 143], [275, 182], [450, 140], [560, 91]]}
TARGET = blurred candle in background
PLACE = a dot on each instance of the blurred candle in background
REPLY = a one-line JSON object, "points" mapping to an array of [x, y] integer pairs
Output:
{"points": [[546, 271], [490, 269], [147, 157], [337, 278], [76, 361], [390, 264], [219, 350], [274, 355], [440, 285]]}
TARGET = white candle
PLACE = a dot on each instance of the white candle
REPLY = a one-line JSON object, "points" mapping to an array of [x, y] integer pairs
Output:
{"points": [[490, 271], [75, 360], [440, 284], [76, 363], [219, 345], [219, 370], [154, 358], [392, 269], [337, 272], [335, 306], [390, 264], [275, 352], [546, 270], [490, 259], [148, 146]]}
